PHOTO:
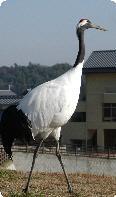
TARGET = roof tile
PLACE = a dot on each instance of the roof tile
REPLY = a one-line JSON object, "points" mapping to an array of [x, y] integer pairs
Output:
{"points": [[100, 61], [9, 101]]}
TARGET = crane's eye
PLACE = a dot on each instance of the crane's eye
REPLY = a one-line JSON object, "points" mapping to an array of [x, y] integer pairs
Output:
{"points": [[88, 21]]}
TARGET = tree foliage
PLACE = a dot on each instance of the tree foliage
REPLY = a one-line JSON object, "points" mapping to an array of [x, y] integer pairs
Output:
{"points": [[25, 77]]}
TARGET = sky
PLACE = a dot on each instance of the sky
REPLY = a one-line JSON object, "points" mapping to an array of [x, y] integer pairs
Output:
{"points": [[43, 31]]}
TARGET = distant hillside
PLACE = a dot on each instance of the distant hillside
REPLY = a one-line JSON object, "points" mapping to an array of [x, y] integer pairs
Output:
{"points": [[24, 77]]}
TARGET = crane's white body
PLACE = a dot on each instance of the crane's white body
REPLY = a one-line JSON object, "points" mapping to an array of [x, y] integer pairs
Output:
{"points": [[51, 104]]}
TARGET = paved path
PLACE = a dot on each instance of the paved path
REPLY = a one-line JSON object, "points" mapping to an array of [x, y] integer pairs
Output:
{"points": [[73, 164]]}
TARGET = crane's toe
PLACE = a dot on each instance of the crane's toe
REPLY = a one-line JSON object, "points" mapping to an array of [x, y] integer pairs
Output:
{"points": [[25, 190], [70, 189]]}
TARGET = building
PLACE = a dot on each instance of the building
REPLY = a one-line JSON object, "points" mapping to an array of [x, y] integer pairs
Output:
{"points": [[94, 121], [7, 98]]}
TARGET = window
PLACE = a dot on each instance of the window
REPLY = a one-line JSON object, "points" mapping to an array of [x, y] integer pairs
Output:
{"points": [[78, 117], [110, 138], [77, 142], [109, 112]]}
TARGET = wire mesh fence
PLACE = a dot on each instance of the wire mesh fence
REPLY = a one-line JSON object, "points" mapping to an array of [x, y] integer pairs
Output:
{"points": [[93, 160], [69, 149], [3, 156]]}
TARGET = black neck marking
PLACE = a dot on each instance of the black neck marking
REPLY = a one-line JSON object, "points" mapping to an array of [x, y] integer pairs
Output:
{"points": [[81, 53]]}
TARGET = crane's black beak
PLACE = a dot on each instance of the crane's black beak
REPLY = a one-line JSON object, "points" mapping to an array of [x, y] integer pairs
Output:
{"points": [[97, 27]]}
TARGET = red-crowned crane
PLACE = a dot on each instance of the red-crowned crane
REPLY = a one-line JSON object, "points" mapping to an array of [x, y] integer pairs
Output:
{"points": [[49, 106]]}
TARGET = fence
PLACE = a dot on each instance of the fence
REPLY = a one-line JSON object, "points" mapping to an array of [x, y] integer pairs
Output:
{"points": [[94, 160], [3, 156], [75, 159], [95, 152], [68, 149]]}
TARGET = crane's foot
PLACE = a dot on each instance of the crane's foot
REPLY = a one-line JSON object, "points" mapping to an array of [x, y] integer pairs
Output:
{"points": [[70, 189], [25, 190]]}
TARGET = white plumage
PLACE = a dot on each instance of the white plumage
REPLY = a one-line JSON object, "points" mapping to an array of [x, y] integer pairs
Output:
{"points": [[51, 105]]}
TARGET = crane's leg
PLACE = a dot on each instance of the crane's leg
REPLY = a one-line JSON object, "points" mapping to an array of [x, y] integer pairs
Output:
{"points": [[25, 190], [62, 165]]}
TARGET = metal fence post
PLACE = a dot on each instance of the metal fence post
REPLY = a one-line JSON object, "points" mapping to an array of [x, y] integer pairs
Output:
{"points": [[108, 152]]}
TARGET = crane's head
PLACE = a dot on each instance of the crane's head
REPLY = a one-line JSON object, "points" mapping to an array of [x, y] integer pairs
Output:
{"points": [[86, 24]]}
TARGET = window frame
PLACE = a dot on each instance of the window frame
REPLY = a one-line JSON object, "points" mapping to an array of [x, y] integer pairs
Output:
{"points": [[112, 110]]}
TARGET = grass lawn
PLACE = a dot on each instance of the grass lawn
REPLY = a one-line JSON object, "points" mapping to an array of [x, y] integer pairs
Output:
{"points": [[54, 185]]}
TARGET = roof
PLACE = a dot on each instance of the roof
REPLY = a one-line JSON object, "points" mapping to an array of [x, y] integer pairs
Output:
{"points": [[101, 61], [8, 97], [7, 93], [9, 101]]}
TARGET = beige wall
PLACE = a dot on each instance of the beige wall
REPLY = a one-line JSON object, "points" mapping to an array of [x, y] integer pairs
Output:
{"points": [[96, 88], [100, 88]]}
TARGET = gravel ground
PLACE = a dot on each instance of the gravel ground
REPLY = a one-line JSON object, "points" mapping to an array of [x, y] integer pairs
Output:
{"points": [[54, 185]]}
